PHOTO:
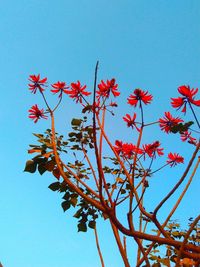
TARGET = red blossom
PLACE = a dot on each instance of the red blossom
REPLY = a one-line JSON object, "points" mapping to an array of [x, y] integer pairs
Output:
{"points": [[125, 149], [37, 83], [188, 97], [118, 146], [129, 150], [152, 149], [59, 87], [174, 159], [139, 95], [77, 92], [131, 121], [36, 113], [186, 136], [166, 123], [105, 88]]}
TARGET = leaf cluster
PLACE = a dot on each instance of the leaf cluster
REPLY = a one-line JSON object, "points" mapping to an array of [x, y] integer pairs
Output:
{"points": [[173, 228], [85, 213]]}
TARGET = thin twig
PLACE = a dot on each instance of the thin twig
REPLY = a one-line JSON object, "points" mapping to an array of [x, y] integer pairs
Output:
{"points": [[90, 164], [98, 246]]}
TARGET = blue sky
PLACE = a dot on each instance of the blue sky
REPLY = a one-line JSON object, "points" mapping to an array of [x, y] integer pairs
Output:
{"points": [[151, 44]]}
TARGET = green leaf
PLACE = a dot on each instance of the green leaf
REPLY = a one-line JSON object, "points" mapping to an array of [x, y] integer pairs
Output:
{"points": [[76, 147], [63, 187], [71, 134], [82, 227], [50, 165], [65, 143], [76, 122], [38, 159], [165, 262], [78, 214], [31, 166], [153, 257], [92, 224], [123, 191], [41, 168], [66, 196], [91, 145], [87, 108], [181, 127], [54, 186], [66, 205], [73, 201], [38, 135]]}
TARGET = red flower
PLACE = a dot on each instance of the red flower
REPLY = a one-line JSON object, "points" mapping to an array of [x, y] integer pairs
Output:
{"points": [[77, 92], [118, 146], [174, 159], [37, 83], [131, 121], [106, 88], [166, 123], [186, 136], [59, 87], [36, 113], [152, 149], [139, 95], [129, 150], [188, 97]]}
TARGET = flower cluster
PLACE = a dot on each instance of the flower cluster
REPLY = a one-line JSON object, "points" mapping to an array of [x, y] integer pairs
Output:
{"points": [[139, 96], [131, 121], [174, 159], [126, 150], [36, 113], [188, 96], [105, 88], [133, 160], [152, 149], [186, 136], [59, 87], [78, 92], [167, 123], [37, 83]]}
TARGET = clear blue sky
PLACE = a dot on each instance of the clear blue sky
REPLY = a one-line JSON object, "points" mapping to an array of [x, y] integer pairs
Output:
{"points": [[152, 44]]}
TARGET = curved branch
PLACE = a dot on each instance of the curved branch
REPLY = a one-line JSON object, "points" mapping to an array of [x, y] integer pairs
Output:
{"points": [[179, 182]]}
